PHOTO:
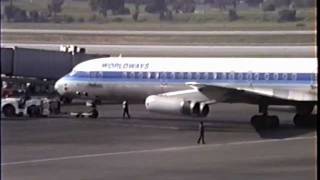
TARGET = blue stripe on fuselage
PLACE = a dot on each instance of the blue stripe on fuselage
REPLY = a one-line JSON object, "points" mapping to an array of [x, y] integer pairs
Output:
{"points": [[201, 77]]}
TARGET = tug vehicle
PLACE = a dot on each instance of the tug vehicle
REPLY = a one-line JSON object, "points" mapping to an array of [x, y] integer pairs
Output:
{"points": [[33, 107]]}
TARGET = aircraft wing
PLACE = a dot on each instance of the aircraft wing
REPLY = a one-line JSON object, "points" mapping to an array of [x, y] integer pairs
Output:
{"points": [[232, 94], [225, 93]]}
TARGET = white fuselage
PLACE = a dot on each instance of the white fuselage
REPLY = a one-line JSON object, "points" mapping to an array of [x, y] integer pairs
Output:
{"points": [[134, 78]]}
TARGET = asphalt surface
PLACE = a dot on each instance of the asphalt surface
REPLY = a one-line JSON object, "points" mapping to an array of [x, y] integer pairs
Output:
{"points": [[176, 33], [186, 51], [156, 146]]}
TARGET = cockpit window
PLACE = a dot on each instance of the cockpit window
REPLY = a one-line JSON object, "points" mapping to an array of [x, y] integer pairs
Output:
{"points": [[73, 73]]}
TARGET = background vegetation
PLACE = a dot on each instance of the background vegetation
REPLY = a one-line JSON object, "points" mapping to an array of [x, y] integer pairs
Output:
{"points": [[155, 11]]}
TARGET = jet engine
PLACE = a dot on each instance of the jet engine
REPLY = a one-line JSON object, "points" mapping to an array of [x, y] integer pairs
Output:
{"points": [[174, 105]]}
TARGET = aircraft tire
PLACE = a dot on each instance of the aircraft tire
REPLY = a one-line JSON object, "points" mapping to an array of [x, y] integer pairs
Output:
{"points": [[256, 122], [8, 111], [265, 122], [305, 121], [274, 120]]}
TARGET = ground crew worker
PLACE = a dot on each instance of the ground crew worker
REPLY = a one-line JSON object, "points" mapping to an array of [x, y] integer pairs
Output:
{"points": [[201, 131], [125, 107], [26, 96], [93, 112]]}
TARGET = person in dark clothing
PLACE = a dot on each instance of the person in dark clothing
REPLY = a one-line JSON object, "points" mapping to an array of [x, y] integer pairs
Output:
{"points": [[26, 96], [93, 112], [201, 131], [125, 108]]}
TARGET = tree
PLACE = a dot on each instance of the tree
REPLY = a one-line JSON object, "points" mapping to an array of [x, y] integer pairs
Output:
{"points": [[184, 6], [222, 4], [287, 15], [136, 12], [55, 7], [15, 13], [34, 16], [233, 15], [254, 2], [159, 6], [9, 12], [102, 6]]}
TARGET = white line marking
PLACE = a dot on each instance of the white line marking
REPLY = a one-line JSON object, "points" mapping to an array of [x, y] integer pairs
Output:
{"points": [[133, 32], [153, 150], [146, 126]]}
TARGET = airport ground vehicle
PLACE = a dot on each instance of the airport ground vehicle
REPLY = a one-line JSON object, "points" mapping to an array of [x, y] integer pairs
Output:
{"points": [[93, 113], [33, 107]]}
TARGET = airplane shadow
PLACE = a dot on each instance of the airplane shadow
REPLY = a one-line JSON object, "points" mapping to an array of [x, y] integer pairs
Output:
{"points": [[225, 125], [284, 131]]}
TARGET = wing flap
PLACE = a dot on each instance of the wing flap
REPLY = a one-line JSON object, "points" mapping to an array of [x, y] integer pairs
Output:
{"points": [[226, 93]]}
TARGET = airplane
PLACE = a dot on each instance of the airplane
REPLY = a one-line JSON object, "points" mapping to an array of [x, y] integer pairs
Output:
{"points": [[188, 86]]}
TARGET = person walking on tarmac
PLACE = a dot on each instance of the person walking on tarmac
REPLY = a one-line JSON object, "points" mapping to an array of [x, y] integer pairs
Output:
{"points": [[125, 108], [93, 113], [201, 131]]}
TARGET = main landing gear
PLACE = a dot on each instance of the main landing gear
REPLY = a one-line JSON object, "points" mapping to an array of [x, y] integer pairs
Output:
{"points": [[304, 117], [264, 121]]}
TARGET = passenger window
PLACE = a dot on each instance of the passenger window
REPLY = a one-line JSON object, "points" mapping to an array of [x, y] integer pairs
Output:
{"points": [[249, 76], [92, 74], [149, 75], [124, 75], [203, 75], [231, 76], [153, 75], [185, 75], [144, 75], [224, 76], [136, 75], [131, 75], [172, 75], [219, 76], [210, 75], [99, 74], [275, 76], [193, 75], [294, 76], [256, 76], [178, 75], [157, 75], [215, 75], [284, 76], [239, 76], [266, 76], [168, 75], [162, 75]]}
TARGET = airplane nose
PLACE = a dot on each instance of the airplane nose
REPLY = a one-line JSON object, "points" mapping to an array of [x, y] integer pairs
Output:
{"points": [[58, 86]]}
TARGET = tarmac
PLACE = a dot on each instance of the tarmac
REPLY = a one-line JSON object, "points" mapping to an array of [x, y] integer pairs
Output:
{"points": [[156, 146]]}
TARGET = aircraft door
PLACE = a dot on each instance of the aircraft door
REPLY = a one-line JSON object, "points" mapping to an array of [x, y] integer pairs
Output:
{"points": [[249, 78], [163, 81], [314, 82], [94, 77]]}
